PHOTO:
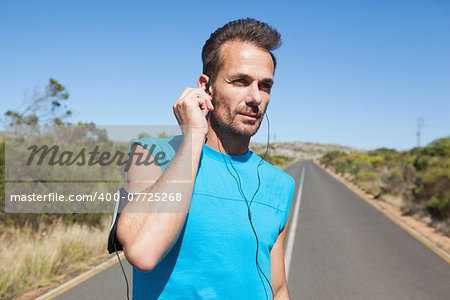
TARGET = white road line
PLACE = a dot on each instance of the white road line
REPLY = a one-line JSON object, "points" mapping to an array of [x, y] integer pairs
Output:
{"points": [[293, 228]]}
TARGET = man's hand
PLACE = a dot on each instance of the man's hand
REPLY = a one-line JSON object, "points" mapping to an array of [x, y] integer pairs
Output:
{"points": [[191, 109]]}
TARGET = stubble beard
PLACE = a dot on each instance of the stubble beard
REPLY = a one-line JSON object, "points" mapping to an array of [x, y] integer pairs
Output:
{"points": [[229, 124]]}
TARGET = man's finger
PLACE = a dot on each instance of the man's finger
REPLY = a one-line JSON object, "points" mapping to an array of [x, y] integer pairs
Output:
{"points": [[185, 92], [209, 104]]}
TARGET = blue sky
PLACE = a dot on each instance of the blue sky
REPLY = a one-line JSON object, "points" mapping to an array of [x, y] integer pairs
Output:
{"points": [[356, 73]]}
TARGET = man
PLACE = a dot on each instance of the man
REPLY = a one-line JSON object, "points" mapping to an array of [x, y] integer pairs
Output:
{"points": [[227, 240]]}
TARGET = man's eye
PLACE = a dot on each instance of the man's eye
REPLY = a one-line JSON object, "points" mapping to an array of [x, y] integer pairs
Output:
{"points": [[240, 81], [266, 87]]}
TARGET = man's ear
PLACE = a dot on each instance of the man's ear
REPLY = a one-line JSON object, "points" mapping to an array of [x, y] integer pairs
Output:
{"points": [[203, 81]]}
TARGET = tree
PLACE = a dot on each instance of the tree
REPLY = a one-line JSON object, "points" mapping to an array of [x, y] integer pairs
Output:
{"points": [[143, 135], [162, 134], [46, 108]]}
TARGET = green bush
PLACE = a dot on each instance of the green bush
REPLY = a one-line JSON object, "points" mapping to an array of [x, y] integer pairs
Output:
{"points": [[277, 160], [393, 182], [437, 174], [439, 206], [377, 161], [421, 161], [329, 159], [341, 167], [362, 165], [366, 176], [409, 174], [439, 148]]}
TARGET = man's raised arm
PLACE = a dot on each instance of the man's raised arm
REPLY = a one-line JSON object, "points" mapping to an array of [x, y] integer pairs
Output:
{"points": [[148, 230]]}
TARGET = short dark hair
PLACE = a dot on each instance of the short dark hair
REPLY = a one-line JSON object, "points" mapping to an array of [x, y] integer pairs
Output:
{"points": [[248, 30]]}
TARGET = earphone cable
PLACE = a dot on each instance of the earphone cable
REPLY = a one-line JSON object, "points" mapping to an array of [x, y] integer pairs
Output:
{"points": [[238, 180], [123, 271]]}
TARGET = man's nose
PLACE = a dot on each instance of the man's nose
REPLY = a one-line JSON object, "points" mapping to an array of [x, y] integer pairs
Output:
{"points": [[254, 95]]}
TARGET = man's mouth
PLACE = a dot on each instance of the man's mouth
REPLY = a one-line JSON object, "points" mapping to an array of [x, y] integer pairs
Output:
{"points": [[250, 115]]}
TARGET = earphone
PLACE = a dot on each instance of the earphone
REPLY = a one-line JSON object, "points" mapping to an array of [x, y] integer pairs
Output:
{"points": [[208, 84]]}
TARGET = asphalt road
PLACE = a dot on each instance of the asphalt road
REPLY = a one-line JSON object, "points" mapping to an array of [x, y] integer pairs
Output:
{"points": [[343, 249], [346, 249], [106, 285]]}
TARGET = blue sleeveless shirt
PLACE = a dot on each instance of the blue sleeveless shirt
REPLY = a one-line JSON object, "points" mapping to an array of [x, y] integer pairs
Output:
{"points": [[215, 255]]}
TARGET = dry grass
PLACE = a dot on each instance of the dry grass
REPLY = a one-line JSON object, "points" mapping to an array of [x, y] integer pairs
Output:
{"points": [[30, 258]]}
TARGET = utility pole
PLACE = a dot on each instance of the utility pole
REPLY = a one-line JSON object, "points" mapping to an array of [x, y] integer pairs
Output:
{"points": [[419, 124]]}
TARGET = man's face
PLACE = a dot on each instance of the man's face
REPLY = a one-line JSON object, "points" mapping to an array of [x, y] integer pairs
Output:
{"points": [[241, 91]]}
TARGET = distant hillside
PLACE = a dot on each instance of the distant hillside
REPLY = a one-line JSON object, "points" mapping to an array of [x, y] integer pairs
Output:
{"points": [[301, 150]]}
